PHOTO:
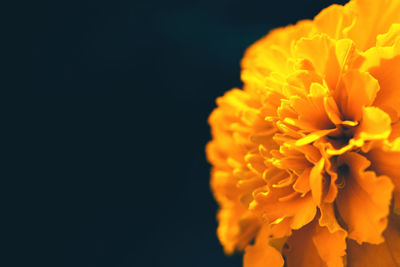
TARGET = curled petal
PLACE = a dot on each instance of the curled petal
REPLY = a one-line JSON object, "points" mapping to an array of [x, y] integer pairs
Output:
{"points": [[385, 161], [314, 245], [237, 227], [364, 201], [280, 203], [375, 124], [316, 182], [331, 246], [358, 91], [333, 21], [302, 184], [369, 21], [388, 98]]}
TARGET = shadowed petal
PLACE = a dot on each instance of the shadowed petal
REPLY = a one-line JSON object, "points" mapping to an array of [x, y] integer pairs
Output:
{"points": [[262, 254], [364, 201], [386, 254], [279, 203], [314, 245]]}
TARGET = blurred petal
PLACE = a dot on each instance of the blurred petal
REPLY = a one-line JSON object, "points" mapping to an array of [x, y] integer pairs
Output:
{"points": [[236, 228], [262, 254]]}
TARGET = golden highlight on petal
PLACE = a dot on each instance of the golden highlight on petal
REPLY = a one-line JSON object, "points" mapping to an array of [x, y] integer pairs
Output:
{"points": [[306, 157]]}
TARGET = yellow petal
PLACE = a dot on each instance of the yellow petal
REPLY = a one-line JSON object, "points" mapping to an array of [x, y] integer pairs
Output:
{"points": [[270, 54], [333, 20], [389, 38], [325, 61], [372, 18], [358, 90], [313, 137], [316, 182], [375, 124]]}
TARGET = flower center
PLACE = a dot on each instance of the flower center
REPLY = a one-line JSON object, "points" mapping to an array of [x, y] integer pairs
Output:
{"points": [[342, 136], [343, 171]]}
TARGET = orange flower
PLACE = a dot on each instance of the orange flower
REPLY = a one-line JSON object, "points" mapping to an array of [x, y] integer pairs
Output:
{"points": [[306, 158]]}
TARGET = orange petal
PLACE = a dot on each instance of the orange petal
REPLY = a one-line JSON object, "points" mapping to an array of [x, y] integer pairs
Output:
{"points": [[331, 246], [302, 184], [372, 18], [388, 97], [333, 20], [358, 90], [301, 250], [271, 53], [385, 161], [389, 38], [280, 203], [236, 228], [325, 61], [364, 201], [262, 254], [395, 133], [314, 245], [328, 218], [386, 254], [316, 182]]}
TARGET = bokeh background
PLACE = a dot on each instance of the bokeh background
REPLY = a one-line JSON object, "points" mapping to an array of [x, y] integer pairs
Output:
{"points": [[119, 93]]}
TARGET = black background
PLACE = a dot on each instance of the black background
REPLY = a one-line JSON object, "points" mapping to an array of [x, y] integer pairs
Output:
{"points": [[109, 158]]}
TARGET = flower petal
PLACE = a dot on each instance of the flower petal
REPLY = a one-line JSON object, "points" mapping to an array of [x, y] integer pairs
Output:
{"points": [[302, 184], [333, 20], [331, 246], [375, 125], [385, 161], [316, 182], [358, 90], [388, 97], [262, 253], [279, 203], [371, 18], [236, 228], [314, 245], [301, 250], [364, 201], [386, 254]]}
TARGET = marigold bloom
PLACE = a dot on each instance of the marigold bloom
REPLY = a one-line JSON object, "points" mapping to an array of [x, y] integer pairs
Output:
{"points": [[306, 157]]}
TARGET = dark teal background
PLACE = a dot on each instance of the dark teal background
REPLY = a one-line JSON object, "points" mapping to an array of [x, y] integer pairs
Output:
{"points": [[113, 170]]}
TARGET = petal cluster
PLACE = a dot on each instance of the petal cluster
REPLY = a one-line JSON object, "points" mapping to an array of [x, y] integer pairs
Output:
{"points": [[306, 157]]}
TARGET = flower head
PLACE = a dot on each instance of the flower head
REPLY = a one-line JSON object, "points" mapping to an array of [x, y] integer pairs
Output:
{"points": [[306, 157]]}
